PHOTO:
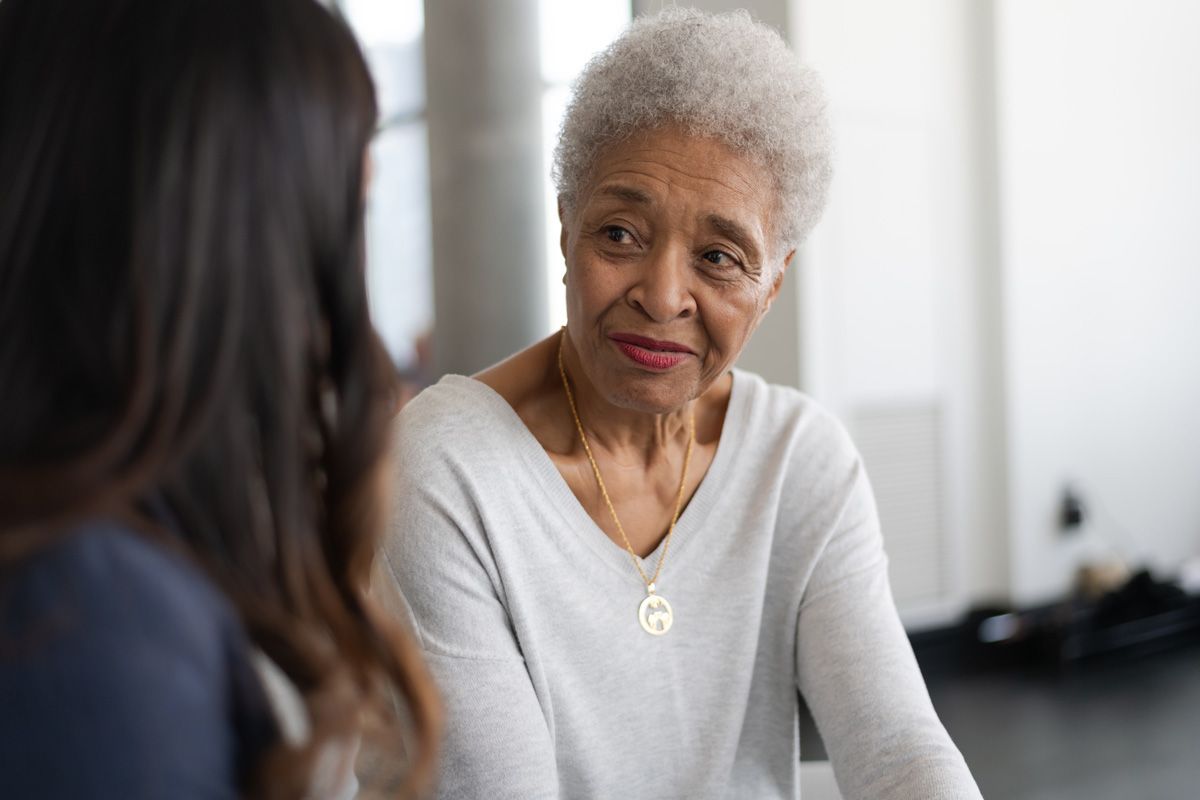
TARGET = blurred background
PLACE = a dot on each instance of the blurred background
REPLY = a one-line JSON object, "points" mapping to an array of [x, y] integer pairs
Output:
{"points": [[1002, 303]]}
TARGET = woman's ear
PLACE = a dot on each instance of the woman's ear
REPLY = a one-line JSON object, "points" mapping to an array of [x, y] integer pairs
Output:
{"points": [[783, 268]]}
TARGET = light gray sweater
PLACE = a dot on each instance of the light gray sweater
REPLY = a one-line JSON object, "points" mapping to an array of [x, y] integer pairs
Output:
{"points": [[528, 615]]}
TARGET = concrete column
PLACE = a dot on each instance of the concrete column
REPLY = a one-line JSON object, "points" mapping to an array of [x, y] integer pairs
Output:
{"points": [[485, 162]]}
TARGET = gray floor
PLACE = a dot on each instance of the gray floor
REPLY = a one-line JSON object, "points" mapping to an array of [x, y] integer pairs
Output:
{"points": [[1127, 730]]}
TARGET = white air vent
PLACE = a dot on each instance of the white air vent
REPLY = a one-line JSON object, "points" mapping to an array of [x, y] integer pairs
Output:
{"points": [[901, 448]]}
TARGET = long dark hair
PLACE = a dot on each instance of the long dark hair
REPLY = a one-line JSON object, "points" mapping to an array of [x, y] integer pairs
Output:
{"points": [[183, 315]]}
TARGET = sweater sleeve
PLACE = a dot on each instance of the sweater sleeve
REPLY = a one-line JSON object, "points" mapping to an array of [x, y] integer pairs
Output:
{"points": [[122, 675], [858, 674], [440, 573]]}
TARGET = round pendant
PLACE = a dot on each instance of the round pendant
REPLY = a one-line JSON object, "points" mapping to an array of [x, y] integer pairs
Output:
{"points": [[655, 615]]}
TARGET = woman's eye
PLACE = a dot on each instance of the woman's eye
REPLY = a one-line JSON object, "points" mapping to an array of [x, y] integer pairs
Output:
{"points": [[617, 234], [720, 258]]}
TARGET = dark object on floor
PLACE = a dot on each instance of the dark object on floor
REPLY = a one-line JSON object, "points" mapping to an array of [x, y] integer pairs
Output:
{"points": [[1143, 616], [1140, 598]]}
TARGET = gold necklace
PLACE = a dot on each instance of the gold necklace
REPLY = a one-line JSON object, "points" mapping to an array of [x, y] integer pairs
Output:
{"points": [[654, 613]]}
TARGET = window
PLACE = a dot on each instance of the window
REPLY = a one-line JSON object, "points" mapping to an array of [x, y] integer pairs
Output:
{"points": [[399, 248], [571, 33]]}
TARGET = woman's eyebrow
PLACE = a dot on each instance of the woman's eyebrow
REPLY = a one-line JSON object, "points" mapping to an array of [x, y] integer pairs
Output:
{"points": [[736, 231], [626, 193]]}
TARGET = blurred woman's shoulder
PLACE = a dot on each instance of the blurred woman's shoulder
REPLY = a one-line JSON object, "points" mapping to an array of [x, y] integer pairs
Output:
{"points": [[109, 642], [104, 571]]}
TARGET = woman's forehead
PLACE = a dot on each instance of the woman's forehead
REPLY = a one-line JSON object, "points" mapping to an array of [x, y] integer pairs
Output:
{"points": [[699, 179]]}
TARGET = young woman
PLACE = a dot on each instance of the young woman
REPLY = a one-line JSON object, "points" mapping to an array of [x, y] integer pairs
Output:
{"points": [[193, 406]]}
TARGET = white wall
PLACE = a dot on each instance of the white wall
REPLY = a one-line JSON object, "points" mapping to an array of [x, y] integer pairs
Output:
{"points": [[1013, 239], [888, 307], [1099, 132], [894, 308]]}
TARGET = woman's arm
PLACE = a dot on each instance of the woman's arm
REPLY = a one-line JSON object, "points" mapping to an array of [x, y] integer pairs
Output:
{"points": [[122, 676], [858, 674], [438, 572]]}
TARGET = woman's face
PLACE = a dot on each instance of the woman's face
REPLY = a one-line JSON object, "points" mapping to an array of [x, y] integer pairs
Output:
{"points": [[669, 267]]}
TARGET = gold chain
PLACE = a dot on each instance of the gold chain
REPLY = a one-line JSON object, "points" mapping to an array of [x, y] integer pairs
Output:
{"points": [[604, 492]]}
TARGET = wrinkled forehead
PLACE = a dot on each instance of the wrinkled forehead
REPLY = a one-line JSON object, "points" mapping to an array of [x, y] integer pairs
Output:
{"points": [[711, 182]]}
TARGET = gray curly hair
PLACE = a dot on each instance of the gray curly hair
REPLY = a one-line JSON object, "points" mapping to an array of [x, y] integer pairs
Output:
{"points": [[725, 77]]}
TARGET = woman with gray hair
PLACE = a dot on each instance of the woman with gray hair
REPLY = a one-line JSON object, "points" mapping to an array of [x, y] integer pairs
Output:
{"points": [[624, 557]]}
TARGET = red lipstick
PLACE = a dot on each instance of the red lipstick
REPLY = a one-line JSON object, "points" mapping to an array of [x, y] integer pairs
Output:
{"points": [[651, 353]]}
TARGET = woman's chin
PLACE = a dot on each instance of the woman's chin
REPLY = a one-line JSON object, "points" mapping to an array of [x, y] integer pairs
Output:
{"points": [[650, 393]]}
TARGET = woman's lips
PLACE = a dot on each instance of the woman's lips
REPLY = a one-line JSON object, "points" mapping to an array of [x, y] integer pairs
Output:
{"points": [[651, 352]]}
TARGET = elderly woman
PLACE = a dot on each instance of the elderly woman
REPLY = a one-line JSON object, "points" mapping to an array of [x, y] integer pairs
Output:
{"points": [[625, 559]]}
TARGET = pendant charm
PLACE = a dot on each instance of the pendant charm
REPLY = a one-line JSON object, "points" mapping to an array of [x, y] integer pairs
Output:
{"points": [[655, 614]]}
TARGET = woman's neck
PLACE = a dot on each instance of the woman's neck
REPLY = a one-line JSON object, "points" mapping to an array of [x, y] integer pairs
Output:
{"points": [[629, 436], [531, 383]]}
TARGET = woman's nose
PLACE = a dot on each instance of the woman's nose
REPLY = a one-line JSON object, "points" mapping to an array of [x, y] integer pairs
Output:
{"points": [[663, 289]]}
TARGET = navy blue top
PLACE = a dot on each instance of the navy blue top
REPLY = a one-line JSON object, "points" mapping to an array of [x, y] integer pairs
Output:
{"points": [[124, 673]]}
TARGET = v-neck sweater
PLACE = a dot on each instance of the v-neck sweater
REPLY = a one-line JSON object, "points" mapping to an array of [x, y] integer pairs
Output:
{"points": [[527, 613]]}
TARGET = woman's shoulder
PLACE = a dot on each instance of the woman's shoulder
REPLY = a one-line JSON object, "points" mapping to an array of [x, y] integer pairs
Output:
{"points": [[806, 453], [105, 569], [120, 656], [458, 419], [454, 403], [113, 598], [775, 413], [508, 392]]}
